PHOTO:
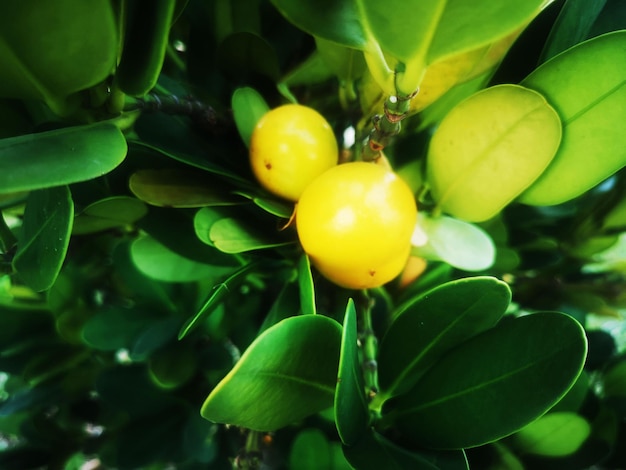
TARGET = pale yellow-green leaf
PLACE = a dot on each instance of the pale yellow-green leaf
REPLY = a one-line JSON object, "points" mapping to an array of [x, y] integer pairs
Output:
{"points": [[587, 86], [489, 149]]}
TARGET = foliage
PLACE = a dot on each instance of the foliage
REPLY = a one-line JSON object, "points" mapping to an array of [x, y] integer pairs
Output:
{"points": [[157, 309]]}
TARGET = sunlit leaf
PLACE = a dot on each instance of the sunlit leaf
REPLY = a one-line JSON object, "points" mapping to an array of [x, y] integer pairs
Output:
{"points": [[489, 149], [248, 107], [553, 435], [458, 243], [493, 384], [586, 85], [287, 373], [231, 235]]}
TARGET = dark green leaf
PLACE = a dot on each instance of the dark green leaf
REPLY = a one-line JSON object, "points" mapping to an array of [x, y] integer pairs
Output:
{"points": [[58, 157], [351, 409], [80, 42], [307, 288], [310, 451], [572, 26], [115, 328], [45, 236], [218, 293], [374, 452], [493, 384], [287, 304], [431, 324], [287, 373], [112, 212], [179, 188]]}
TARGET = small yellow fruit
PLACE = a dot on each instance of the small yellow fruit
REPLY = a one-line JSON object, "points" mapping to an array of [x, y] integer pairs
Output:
{"points": [[290, 146], [355, 222]]}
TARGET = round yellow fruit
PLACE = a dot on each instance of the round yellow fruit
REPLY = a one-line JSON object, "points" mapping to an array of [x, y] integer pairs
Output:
{"points": [[290, 146], [355, 222]]}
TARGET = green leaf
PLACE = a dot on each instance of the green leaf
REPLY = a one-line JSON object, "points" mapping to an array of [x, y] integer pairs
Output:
{"points": [[339, 22], [351, 409], [80, 42], [553, 435], [287, 304], [179, 188], [172, 367], [458, 243], [374, 452], [489, 149], [158, 262], [312, 71], [231, 235], [587, 86], [312, 450], [429, 325], [306, 285], [112, 212], [288, 373], [115, 328], [248, 107], [45, 237], [217, 295], [58, 157], [493, 384], [572, 26]]}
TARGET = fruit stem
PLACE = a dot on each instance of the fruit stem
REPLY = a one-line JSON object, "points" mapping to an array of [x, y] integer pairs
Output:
{"points": [[369, 346], [387, 125]]}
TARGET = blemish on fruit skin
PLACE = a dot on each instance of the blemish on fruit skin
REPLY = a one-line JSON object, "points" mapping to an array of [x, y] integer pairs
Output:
{"points": [[268, 165], [372, 272]]}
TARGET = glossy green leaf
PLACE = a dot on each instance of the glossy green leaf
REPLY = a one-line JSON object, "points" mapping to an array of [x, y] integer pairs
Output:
{"points": [[572, 26], [587, 87], [146, 36], [429, 325], [489, 149], [231, 235], [460, 244], [279, 208], [493, 384], [80, 44], [312, 71], [58, 157], [553, 435], [374, 452], [45, 237], [306, 285], [248, 107], [179, 188], [287, 373], [339, 22], [351, 408], [112, 212], [159, 262], [217, 295]]}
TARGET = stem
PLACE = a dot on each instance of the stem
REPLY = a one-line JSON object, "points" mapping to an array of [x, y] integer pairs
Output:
{"points": [[369, 347], [387, 126]]}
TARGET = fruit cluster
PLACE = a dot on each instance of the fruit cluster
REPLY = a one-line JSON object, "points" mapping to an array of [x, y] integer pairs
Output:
{"points": [[354, 220]]}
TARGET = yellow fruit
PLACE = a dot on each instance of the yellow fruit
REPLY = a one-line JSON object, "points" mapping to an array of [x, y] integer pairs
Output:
{"points": [[355, 222], [290, 146]]}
